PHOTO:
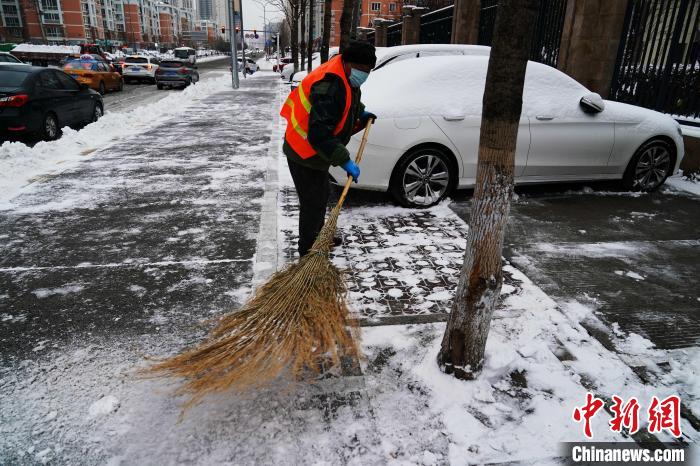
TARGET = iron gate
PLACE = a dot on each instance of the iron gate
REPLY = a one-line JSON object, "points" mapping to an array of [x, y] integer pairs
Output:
{"points": [[436, 26], [370, 37], [393, 34], [658, 61], [548, 28]]}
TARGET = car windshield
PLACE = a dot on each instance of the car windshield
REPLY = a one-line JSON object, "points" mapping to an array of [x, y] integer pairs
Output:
{"points": [[171, 64], [11, 79], [137, 60], [181, 53], [7, 58], [81, 65]]}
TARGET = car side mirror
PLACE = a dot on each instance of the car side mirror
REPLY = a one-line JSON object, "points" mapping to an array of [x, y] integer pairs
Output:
{"points": [[592, 103]]}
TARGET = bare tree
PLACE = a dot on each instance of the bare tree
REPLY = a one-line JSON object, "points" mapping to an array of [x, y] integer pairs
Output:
{"points": [[292, 11], [346, 19], [464, 342], [310, 41], [302, 33], [326, 39]]}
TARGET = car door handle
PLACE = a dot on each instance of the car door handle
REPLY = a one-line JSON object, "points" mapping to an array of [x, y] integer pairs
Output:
{"points": [[453, 117], [544, 117]]}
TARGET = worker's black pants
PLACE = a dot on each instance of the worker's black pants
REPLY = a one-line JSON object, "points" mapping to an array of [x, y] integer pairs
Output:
{"points": [[312, 189]]}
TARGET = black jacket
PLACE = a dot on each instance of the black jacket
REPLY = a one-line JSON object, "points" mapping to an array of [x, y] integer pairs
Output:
{"points": [[327, 105]]}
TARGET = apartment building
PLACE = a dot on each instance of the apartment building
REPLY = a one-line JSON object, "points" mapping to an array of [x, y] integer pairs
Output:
{"points": [[373, 9], [137, 23]]}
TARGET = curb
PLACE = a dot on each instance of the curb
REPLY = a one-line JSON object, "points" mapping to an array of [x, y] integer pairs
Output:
{"points": [[265, 261]]}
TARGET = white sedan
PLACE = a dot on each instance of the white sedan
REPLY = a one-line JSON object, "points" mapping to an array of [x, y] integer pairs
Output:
{"points": [[425, 141]]}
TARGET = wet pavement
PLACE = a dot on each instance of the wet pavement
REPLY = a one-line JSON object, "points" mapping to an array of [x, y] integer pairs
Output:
{"points": [[633, 258], [151, 234]]}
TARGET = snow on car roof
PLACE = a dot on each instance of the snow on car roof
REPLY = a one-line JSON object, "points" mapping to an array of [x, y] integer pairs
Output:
{"points": [[74, 49], [467, 49], [454, 85]]}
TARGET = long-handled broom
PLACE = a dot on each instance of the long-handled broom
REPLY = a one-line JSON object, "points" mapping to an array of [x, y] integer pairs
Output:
{"points": [[296, 320]]}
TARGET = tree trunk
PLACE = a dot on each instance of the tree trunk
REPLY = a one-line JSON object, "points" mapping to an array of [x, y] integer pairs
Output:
{"points": [[294, 36], [355, 18], [464, 342], [310, 41], [326, 40], [346, 23], [302, 34]]}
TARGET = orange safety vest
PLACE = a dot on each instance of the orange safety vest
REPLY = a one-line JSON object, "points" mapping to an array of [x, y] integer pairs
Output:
{"points": [[297, 107]]}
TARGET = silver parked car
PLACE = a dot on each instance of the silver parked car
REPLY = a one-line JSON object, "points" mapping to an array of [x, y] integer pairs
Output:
{"points": [[425, 141]]}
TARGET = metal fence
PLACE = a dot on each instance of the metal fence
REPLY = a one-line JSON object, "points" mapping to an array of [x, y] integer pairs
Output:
{"points": [[548, 28], [370, 37], [436, 26], [658, 61], [487, 21], [393, 34]]}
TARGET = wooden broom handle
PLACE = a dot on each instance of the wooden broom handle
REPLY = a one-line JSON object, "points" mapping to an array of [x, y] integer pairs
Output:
{"points": [[358, 158]]}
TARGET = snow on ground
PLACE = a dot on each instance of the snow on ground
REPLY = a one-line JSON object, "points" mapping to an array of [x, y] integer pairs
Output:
{"points": [[266, 64], [680, 183], [211, 58], [540, 360], [21, 163]]}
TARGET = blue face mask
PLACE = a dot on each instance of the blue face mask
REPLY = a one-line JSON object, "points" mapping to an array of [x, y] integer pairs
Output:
{"points": [[357, 77]]}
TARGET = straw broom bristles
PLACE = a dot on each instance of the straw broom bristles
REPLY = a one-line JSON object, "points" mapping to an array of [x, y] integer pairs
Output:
{"points": [[295, 321]]}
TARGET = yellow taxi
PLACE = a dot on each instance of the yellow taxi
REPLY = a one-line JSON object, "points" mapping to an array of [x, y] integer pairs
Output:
{"points": [[95, 73]]}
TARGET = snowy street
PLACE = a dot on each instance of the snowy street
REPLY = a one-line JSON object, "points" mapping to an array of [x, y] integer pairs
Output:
{"points": [[135, 95], [130, 243]]}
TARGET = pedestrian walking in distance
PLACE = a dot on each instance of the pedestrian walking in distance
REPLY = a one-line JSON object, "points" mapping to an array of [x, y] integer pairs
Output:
{"points": [[322, 115]]}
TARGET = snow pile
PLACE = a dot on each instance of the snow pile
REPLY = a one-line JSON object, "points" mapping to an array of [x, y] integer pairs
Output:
{"points": [[679, 183], [37, 48], [21, 164], [455, 85], [105, 405]]}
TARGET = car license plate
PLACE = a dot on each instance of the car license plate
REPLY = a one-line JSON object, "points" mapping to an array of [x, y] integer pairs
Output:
{"points": [[135, 68]]}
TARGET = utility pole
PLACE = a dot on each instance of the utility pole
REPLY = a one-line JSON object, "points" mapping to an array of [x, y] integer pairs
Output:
{"points": [[232, 38], [242, 40]]}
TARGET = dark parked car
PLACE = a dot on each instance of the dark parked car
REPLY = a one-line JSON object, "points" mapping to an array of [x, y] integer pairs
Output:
{"points": [[37, 102], [176, 73]]}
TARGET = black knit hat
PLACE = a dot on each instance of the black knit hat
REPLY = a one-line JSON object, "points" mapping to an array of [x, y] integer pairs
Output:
{"points": [[360, 52]]}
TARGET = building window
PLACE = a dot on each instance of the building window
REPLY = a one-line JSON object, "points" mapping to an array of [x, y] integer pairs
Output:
{"points": [[49, 4], [52, 18], [376, 6], [12, 21], [54, 32], [392, 7]]}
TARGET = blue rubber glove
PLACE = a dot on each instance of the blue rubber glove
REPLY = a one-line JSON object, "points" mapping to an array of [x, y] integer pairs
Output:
{"points": [[352, 169], [366, 116]]}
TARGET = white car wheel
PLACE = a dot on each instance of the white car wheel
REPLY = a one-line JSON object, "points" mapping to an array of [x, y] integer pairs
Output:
{"points": [[423, 178], [649, 167]]}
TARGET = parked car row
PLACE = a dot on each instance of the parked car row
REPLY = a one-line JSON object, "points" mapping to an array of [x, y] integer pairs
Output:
{"points": [[35, 102]]}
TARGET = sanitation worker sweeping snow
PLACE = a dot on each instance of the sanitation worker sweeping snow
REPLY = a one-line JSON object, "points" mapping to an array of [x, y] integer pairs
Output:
{"points": [[322, 114], [299, 318]]}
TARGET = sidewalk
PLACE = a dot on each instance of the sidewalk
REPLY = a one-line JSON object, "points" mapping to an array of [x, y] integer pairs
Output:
{"points": [[75, 397]]}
